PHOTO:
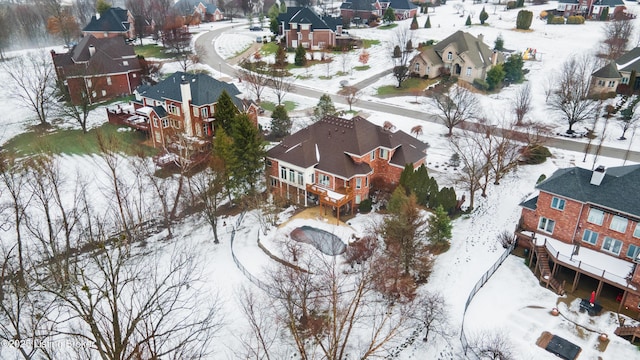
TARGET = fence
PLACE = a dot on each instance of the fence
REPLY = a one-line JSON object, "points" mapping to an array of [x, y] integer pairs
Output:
{"points": [[468, 351]]}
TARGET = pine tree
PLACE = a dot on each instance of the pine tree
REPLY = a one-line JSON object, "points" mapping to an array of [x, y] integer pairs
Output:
{"points": [[280, 122], [389, 15], [409, 46], [301, 56], [427, 24], [225, 111], [604, 15], [248, 150], [407, 179], [483, 16], [439, 229], [223, 150], [495, 76], [499, 43], [468, 22], [397, 200], [283, 7], [513, 68], [397, 52], [414, 23], [281, 58], [325, 107]]}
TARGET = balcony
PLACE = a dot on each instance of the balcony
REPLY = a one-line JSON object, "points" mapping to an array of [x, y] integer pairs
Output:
{"points": [[334, 198]]}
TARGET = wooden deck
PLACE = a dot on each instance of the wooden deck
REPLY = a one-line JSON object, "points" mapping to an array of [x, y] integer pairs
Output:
{"points": [[127, 118]]}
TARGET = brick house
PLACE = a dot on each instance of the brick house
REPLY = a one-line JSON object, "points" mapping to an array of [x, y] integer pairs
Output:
{"points": [[460, 54], [205, 11], [358, 11], [589, 8], [622, 71], [302, 26], [100, 69], [403, 9], [178, 114], [111, 23], [336, 161], [586, 226]]}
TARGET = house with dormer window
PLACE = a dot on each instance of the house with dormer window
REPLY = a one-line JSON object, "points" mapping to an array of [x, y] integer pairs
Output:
{"points": [[336, 162], [178, 113], [112, 22], [302, 26], [585, 227]]}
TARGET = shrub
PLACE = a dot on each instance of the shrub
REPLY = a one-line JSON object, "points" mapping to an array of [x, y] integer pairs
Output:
{"points": [[483, 16], [523, 22], [427, 24], [414, 23], [468, 22], [536, 154], [555, 20], [365, 206], [495, 76], [481, 84], [511, 4], [519, 3], [397, 52], [577, 19], [499, 43], [301, 56], [541, 178]]}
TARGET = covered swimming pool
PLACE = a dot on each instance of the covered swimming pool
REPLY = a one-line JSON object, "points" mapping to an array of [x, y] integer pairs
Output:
{"points": [[322, 240]]}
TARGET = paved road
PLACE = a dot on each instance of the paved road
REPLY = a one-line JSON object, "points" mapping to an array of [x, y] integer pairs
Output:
{"points": [[214, 60]]}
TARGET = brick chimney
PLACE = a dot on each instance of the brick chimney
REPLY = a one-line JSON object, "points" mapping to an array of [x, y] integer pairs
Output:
{"points": [[598, 175], [185, 92]]}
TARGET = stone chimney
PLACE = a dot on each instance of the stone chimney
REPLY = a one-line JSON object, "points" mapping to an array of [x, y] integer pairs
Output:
{"points": [[92, 50], [598, 175], [185, 91], [480, 38]]}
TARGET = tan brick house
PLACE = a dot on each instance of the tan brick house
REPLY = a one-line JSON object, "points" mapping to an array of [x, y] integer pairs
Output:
{"points": [[586, 223], [618, 75], [302, 26], [335, 161]]}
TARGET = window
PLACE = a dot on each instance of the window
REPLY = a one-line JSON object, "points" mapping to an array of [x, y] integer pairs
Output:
{"points": [[358, 199], [619, 224], [134, 75], [600, 82], [198, 131], [292, 175], [546, 225], [323, 180], [468, 71], [165, 122], [283, 173], [416, 67], [108, 80], [633, 251], [173, 109], [625, 80], [274, 182], [126, 63], [269, 163], [557, 203], [636, 232], [612, 245], [384, 153], [205, 112], [366, 182], [313, 178], [590, 236], [358, 183], [449, 56], [93, 94], [300, 178], [155, 122], [612, 83], [104, 93], [373, 155], [595, 216], [89, 83]]}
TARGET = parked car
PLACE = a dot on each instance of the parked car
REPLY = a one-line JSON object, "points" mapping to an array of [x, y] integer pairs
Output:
{"points": [[259, 39], [255, 28]]}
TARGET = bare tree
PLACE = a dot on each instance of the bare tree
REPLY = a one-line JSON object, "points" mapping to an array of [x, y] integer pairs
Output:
{"points": [[492, 345], [417, 130], [473, 165], [78, 112], [345, 62], [279, 84], [351, 95], [33, 82], [629, 117], [159, 11], [617, 33], [208, 188], [6, 30], [401, 58], [14, 179], [571, 95], [260, 342], [61, 20], [255, 76], [521, 102], [455, 106], [433, 315]]}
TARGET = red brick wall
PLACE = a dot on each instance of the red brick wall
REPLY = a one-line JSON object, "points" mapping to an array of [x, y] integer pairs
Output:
{"points": [[566, 220], [122, 84]]}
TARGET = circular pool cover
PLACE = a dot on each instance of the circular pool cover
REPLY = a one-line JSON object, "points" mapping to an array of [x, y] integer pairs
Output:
{"points": [[324, 241]]}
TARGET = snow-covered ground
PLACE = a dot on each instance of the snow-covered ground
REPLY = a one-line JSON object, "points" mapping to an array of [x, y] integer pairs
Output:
{"points": [[511, 302]]}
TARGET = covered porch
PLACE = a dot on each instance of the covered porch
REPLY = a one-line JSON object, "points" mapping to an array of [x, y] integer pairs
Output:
{"points": [[334, 199]]}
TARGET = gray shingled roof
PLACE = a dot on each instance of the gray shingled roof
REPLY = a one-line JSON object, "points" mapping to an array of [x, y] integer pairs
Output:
{"points": [[109, 57], [304, 15], [530, 204], [610, 3], [399, 5], [189, 6], [204, 89], [609, 71], [112, 20], [429, 55], [335, 138], [630, 61], [618, 191], [478, 52], [358, 5]]}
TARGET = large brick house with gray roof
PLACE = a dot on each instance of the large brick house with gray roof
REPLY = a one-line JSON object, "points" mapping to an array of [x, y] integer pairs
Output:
{"points": [[460, 54], [597, 212], [112, 22], [302, 26], [337, 160]]}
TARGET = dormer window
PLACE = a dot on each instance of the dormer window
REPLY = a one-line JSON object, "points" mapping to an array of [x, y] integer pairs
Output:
{"points": [[125, 63], [449, 55]]}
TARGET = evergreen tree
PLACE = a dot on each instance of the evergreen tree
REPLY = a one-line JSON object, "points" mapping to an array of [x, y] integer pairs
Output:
{"points": [[325, 107], [483, 16], [495, 75], [102, 6], [499, 43], [468, 22], [273, 11], [409, 46], [604, 15], [273, 25], [281, 58], [248, 150], [439, 228], [448, 199], [389, 15], [223, 150], [513, 68], [427, 24], [225, 111], [525, 17], [422, 185], [283, 7], [280, 122], [397, 200], [414, 23], [519, 3], [407, 179], [301, 56], [397, 52]]}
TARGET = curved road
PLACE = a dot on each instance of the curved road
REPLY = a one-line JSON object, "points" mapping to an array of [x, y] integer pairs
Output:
{"points": [[213, 59]]}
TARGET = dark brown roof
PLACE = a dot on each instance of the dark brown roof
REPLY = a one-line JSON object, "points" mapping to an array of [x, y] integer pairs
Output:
{"points": [[328, 143], [112, 56]]}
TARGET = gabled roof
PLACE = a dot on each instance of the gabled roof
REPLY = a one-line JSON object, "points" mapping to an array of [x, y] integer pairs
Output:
{"points": [[629, 61], [568, 2], [112, 56], [478, 52], [328, 143], [358, 5], [618, 190], [609, 71], [401, 5], [188, 6], [205, 90], [304, 15], [609, 3], [429, 56], [112, 20]]}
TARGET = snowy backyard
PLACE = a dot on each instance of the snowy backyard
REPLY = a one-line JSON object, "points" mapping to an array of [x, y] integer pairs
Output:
{"points": [[512, 302]]}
